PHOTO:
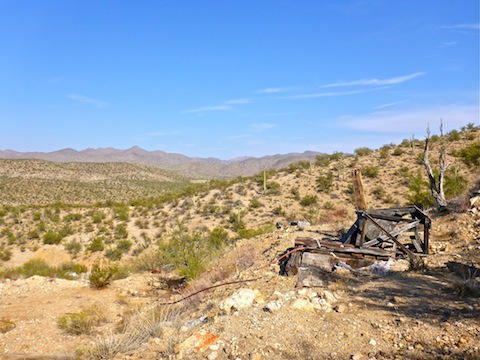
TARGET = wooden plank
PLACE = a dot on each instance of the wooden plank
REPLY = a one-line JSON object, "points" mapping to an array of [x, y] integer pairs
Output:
{"points": [[396, 232], [416, 241], [411, 255], [360, 198]]}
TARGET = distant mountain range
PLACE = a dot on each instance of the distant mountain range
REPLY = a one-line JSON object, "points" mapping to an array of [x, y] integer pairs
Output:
{"points": [[192, 167]]}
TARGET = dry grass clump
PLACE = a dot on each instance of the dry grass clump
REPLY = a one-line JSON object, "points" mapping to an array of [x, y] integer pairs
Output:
{"points": [[136, 331], [82, 322]]}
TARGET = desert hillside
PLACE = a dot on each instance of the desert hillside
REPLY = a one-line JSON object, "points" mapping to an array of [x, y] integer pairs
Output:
{"points": [[104, 261]]}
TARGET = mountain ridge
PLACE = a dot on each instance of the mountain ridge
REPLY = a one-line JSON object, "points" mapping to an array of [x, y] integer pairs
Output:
{"points": [[195, 167]]}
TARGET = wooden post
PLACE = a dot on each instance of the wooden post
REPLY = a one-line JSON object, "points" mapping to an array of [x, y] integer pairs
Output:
{"points": [[360, 198]]}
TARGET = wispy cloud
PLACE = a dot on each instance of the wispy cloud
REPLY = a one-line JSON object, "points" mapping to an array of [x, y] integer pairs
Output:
{"points": [[384, 106], [273, 90], [87, 100], [237, 101], [326, 94], [471, 26], [412, 120], [261, 127], [208, 109], [376, 82]]}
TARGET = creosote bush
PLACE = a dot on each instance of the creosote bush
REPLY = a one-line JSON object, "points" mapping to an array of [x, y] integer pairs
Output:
{"points": [[363, 151], [81, 322], [102, 275]]}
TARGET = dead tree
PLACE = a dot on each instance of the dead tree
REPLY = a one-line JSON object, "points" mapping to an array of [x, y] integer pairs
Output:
{"points": [[436, 187]]}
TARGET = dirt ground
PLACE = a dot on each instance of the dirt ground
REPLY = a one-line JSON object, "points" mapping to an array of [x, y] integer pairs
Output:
{"points": [[400, 315]]}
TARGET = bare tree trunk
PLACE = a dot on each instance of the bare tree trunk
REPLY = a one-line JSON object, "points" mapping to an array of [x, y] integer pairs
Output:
{"points": [[437, 191]]}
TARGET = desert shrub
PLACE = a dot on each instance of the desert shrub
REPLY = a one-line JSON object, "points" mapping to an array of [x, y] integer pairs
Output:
{"points": [[73, 247], [52, 238], [81, 322], [292, 167], [363, 151], [102, 274], [398, 151], [454, 135], [73, 217], [378, 192], [470, 154], [278, 211], [325, 183], [97, 217], [370, 171], [120, 212], [120, 231], [323, 160], [454, 183], [273, 188], [65, 231], [305, 164], [96, 244], [309, 200], [255, 203], [33, 234], [114, 254], [296, 193], [419, 191], [189, 252], [250, 233], [218, 237], [5, 253], [124, 245]]}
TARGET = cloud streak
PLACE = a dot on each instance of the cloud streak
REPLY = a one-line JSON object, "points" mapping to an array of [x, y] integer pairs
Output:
{"points": [[326, 94], [273, 90], [208, 109], [412, 120], [376, 82], [471, 26], [87, 100]]}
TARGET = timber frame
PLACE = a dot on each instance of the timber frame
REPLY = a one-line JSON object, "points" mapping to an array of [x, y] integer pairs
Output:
{"points": [[379, 233]]}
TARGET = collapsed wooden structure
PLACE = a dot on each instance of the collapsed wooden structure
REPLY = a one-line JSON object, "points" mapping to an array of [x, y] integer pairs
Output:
{"points": [[376, 234]]}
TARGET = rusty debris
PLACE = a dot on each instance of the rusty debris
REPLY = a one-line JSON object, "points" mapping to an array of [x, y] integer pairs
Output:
{"points": [[377, 234]]}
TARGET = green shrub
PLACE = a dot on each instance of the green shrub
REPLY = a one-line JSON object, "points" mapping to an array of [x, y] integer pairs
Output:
{"points": [[255, 203], [325, 183], [250, 233], [363, 151], [73, 247], [398, 151], [82, 322], [309, 200], [124, 245], [278, 211], [114, 254], [470, 154], [120, 231], [52, 238], [454, 135], [454, 183], [218, 237], [273, 188], [419, 191], [102, 275], [96, 244], [370, 171], [5, 253], [73, 217]]}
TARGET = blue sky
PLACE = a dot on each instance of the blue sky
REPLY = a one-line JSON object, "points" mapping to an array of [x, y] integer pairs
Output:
{"points": [[231, 78]]}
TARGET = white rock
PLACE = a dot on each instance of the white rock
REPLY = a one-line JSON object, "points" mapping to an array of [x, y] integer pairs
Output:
{"points": [[302, 304], [372, 342], [321, 304], [328, 295], [273, 306], [243, 298]]}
